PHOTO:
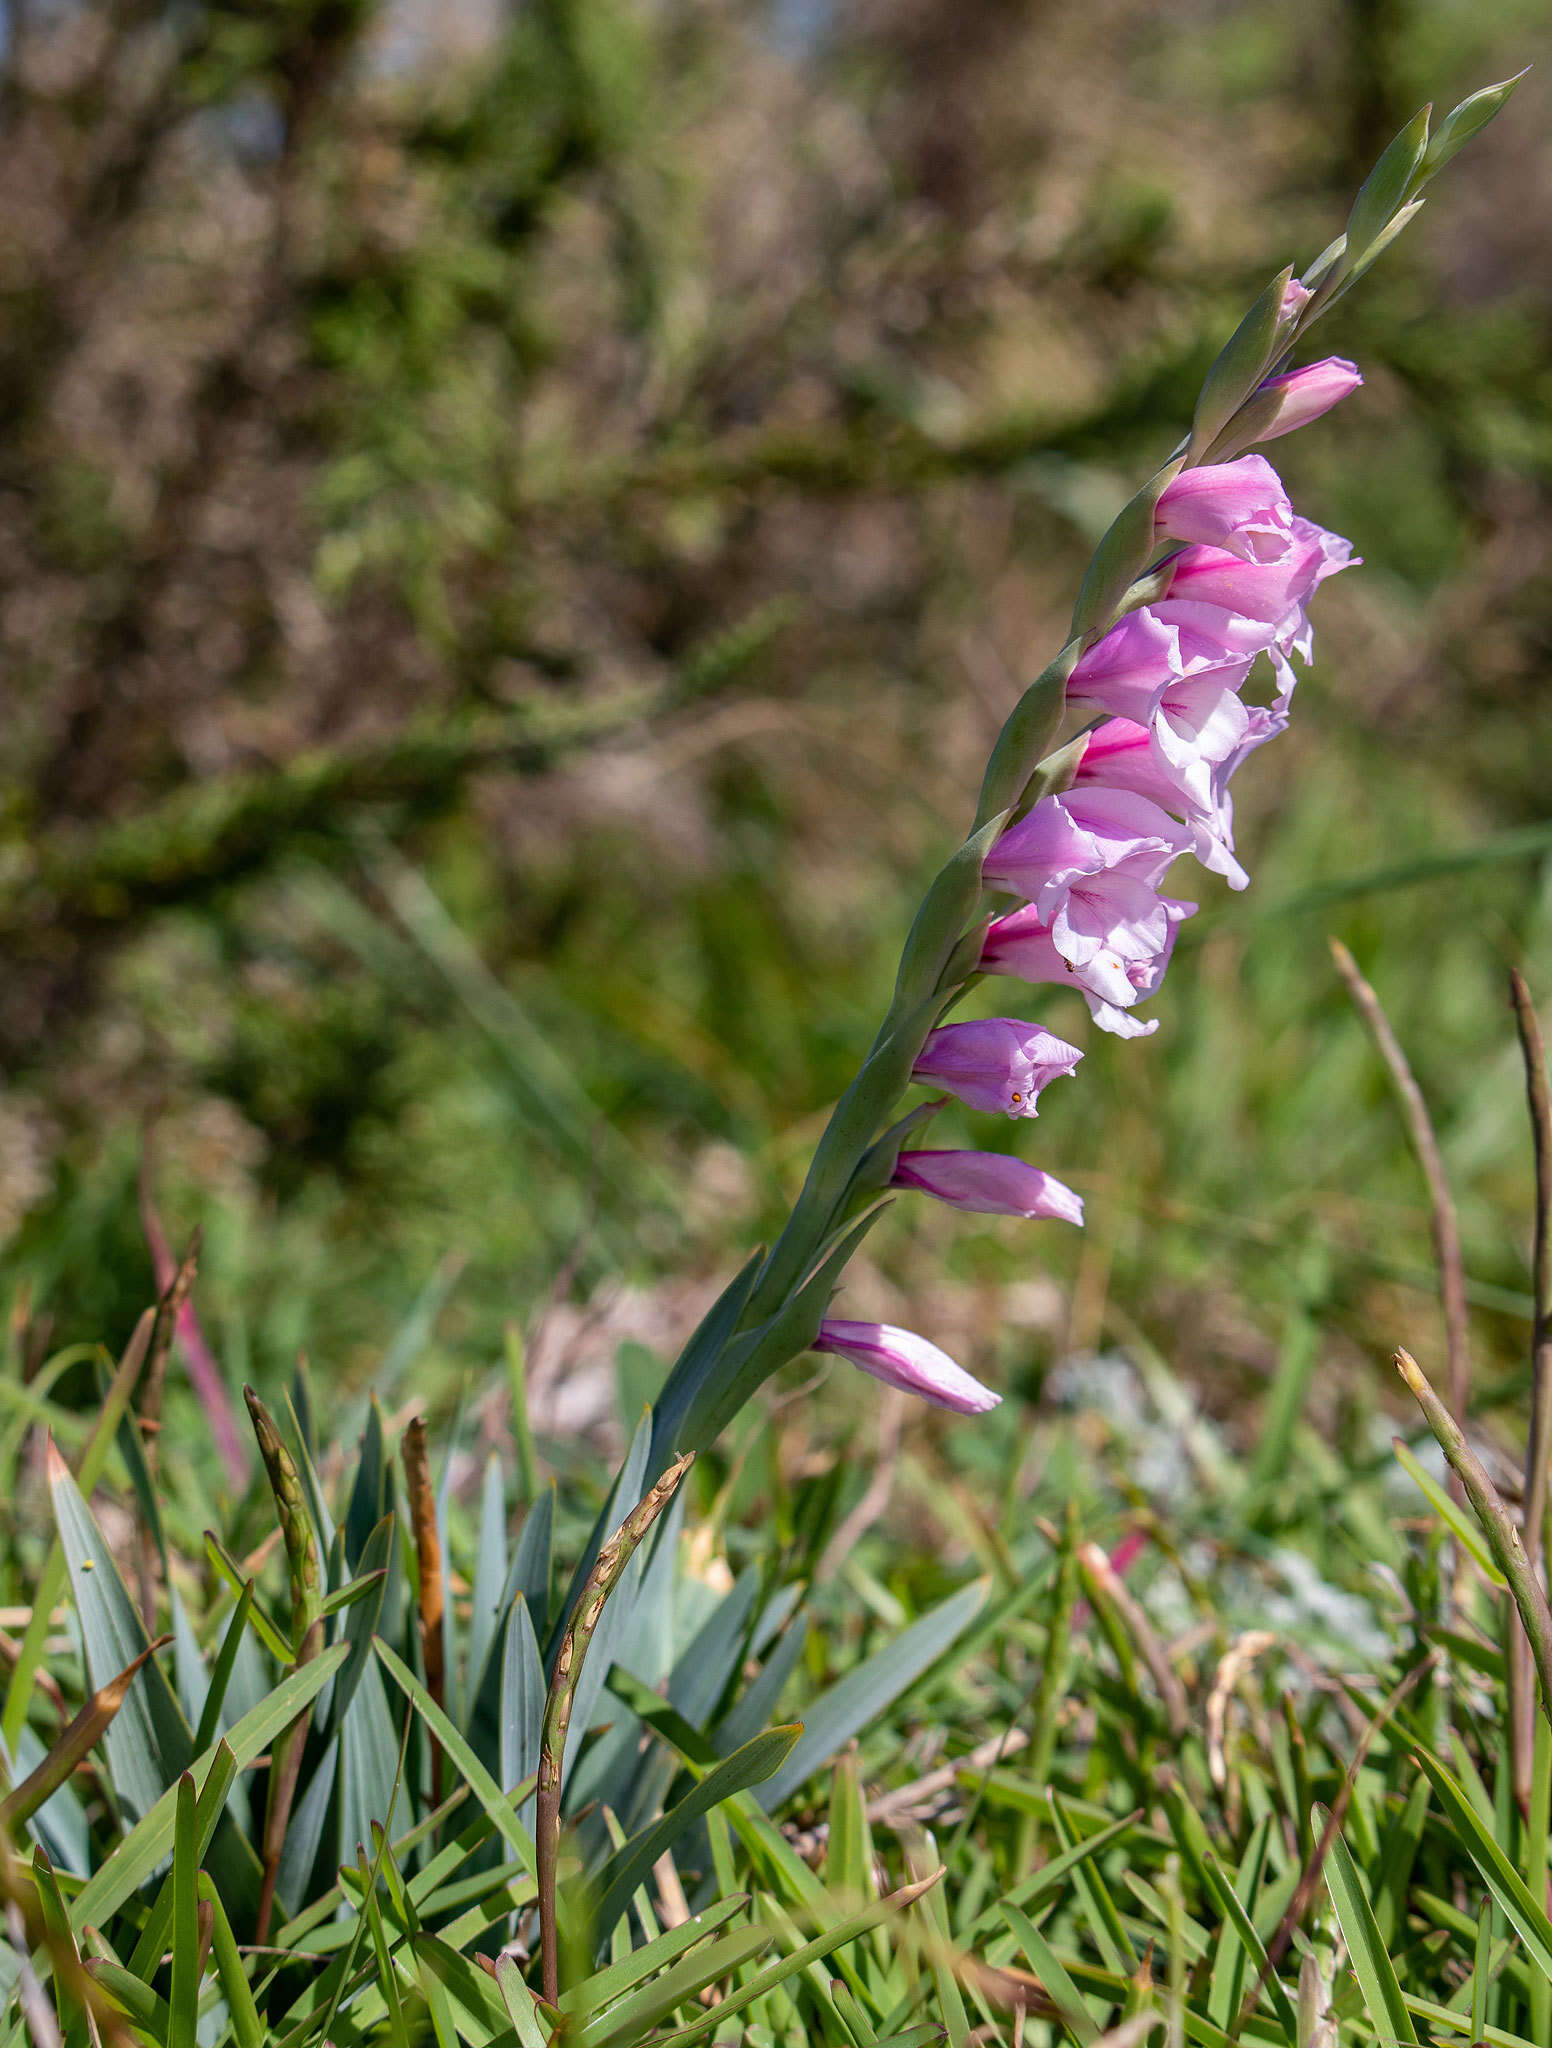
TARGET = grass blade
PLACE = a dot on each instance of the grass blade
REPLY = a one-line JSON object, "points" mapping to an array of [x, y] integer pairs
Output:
{"points": [[862, 1695], [148, 1742], [1360, 1930], [77, 1742], [1054, 1980], [134, 1859], [51, 1580], [461, 1756], [183, 1998], [746, 1767], [1463, 1527], [221, 1673], [247, 2028], [614, 1981], [1529, 1919]]}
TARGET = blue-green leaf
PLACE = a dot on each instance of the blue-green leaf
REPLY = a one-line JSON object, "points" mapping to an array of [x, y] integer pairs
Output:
{"points": [[862, 1695], [148, 1743], [749, 1766], [522, 1703]]}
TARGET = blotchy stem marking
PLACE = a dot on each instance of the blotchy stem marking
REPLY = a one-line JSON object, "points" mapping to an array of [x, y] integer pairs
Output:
{"points": [[613, 1557]]}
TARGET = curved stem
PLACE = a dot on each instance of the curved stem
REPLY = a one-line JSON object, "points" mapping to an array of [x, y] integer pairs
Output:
{"points": [[613, 1557]]}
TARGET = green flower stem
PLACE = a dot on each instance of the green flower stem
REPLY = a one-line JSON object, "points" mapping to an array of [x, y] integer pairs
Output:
{"points": [[613, 1557], [307, 1631], [1497, 1523], [1538, 1446]]}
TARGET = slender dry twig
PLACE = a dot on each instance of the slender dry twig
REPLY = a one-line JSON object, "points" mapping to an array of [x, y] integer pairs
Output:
{"points": [[614, 1555], [36, 2010], [1539, 1444], [1498, 1524], [1309, 1882], [908, 1802], [1232, 1666], [175, 1292], [922, 1799], [1446, 1227], [673, 1908], [1142, 2026]]}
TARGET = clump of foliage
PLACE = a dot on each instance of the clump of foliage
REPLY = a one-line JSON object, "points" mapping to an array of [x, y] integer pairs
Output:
{"points": [[573, 388], [1245, 1769]]}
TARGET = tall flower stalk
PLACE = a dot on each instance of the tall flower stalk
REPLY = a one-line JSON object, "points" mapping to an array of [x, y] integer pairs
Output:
{"points": [[1202, 585]]}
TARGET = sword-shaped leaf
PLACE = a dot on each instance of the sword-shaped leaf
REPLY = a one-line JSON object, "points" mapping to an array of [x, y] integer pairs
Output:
{"points": [[148, 1744]]}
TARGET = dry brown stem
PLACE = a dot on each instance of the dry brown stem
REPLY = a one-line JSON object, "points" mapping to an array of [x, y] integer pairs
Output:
{"points": [[428, 1552], [1446, 1226]]}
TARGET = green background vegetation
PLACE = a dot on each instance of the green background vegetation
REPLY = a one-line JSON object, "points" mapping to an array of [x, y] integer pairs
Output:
{"points": [[517, 530], [517, 534]]}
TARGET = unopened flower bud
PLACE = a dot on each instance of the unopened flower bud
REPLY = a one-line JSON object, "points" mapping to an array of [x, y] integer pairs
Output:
{"points": [[1291, 400], [902, 1359], [995, 1064], [988, 1184]]}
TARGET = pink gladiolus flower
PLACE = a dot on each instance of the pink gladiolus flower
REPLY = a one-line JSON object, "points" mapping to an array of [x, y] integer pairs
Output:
{"points": [[1195, 718], [1068, 841], [1119, 755], [989, 1183], [1295, 298], [1212, 637], [995, 1064], [1144, 653], [1276, 593], [1122, 755], [1112, 980], [1132, 662], [1214, 826], [902, 1359], [1197, 725], [1303, 395], [1239, 506]]}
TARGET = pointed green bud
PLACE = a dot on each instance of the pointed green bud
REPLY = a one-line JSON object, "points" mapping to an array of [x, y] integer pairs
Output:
{"points": [[1467, 120], [1242, 363], [1387, 186], [1383, 240], [1326, 262], [296, 1527]]}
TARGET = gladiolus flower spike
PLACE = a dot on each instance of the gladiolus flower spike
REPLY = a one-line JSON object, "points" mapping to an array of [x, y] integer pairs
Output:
{"points": [[1227, 570]]}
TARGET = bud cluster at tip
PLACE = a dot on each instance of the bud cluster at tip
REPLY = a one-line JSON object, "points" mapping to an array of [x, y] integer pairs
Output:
{"points": [[1151, 784]]}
